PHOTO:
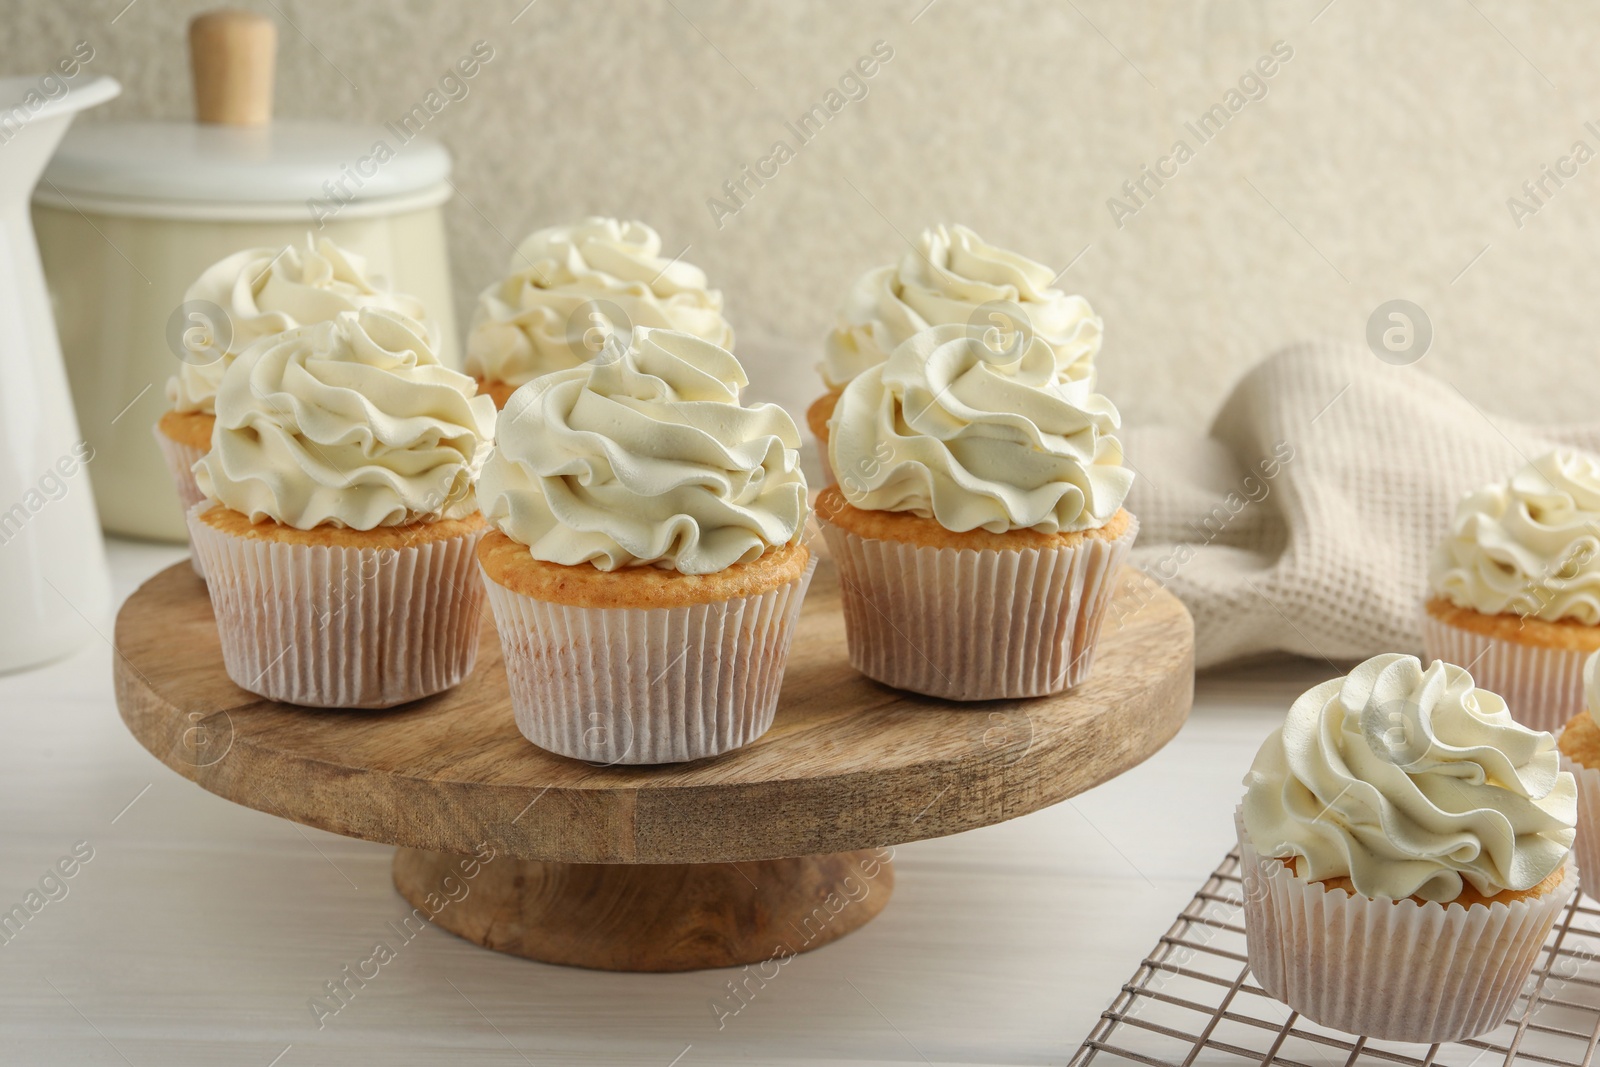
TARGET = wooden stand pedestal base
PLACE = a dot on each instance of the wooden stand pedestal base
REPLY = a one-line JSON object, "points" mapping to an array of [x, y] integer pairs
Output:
{"points": [[648, 916], [665, 868]]}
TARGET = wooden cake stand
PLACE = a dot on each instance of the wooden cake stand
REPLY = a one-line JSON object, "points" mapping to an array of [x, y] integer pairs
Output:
{"points": [[771, 850]]}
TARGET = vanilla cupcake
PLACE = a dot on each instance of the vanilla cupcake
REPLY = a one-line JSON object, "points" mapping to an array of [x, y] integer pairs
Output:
{"points": [[1405, 848], [953, 276], [1580, 754], [646, 566], [339, 525], [1515, 586], [978, 493], [239, 300], [569, 287]]}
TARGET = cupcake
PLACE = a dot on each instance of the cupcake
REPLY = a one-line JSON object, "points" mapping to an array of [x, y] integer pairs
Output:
{"points": [[979, 493], [239, 300], [1405, 848], [339, 524], [952, 276], [646, 565], [1580, 752], [569, 287], [1515, 586]]}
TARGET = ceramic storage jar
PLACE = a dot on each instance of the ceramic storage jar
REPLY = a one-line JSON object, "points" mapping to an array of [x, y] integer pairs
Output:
{"points": [[129, 213]]}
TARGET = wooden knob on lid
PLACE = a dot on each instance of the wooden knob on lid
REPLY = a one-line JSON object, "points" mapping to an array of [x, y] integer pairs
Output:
{"points": [[232, 54]]}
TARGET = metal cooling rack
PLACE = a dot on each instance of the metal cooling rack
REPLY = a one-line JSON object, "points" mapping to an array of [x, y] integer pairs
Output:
{"points": [[1193, 1002]]}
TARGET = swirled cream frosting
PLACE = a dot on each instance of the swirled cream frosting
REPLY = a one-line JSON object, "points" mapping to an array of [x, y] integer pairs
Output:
{"points": [[1528, 546], [1411, 781], [352, 423], [954, 276], [972, 435], [569, 287], [645, 457], [264, 291]]}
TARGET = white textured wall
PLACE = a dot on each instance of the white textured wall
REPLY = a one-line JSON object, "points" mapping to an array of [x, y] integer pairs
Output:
{"points": [[1377, 166]]}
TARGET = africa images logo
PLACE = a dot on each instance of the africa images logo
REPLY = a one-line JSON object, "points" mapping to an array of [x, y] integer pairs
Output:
{"points": [[1253, 86], [199, 332]]}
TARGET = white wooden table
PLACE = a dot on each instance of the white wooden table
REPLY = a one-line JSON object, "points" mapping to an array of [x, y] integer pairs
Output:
{"points": [[199, 930]]}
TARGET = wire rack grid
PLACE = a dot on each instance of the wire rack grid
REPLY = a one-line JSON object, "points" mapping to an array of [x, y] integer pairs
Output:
{"points": [[1193, 1002]]}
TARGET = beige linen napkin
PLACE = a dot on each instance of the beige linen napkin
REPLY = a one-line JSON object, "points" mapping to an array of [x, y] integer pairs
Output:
{"points": [[1304, 521]]}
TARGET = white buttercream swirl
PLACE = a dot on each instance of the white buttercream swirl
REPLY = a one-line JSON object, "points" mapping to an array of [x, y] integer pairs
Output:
{"points": [[1409, 782], [947, 278], [1528, 546], [264, 291], [645, 457], [566, 286], [352, 422], [957, 430]]}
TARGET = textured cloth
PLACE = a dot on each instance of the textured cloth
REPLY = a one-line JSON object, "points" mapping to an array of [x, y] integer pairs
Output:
{"points": [[1304, 522]]}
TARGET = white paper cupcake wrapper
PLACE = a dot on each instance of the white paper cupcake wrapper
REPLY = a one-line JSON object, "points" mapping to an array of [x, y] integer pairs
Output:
{"points": [[1393, 970], [181, 459], [342, 627], [1542, 687], [969, 625], [1586, 849], [630, 685]]}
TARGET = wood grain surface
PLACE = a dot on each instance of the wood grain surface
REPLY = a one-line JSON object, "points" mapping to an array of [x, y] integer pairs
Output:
{"points": [[648, 916], [848, 764], [232, 57]]}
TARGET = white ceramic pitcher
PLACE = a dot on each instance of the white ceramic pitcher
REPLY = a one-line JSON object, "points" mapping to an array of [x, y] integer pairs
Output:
{"points": [[55, 592]]}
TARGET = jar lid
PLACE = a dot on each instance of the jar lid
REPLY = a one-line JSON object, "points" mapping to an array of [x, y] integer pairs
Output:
{"points": [[283, 162], [238, 164]]}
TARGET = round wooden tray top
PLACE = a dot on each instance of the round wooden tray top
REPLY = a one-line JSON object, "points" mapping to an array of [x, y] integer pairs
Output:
{"points": [[848, 766]]}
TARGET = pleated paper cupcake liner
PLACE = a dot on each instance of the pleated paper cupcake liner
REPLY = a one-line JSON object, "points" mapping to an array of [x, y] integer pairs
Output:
{"points": [[1586, 849], [1393, 970], [659, 685], [1542, 687], [342, 627], [969, 625], [181, 459]]}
